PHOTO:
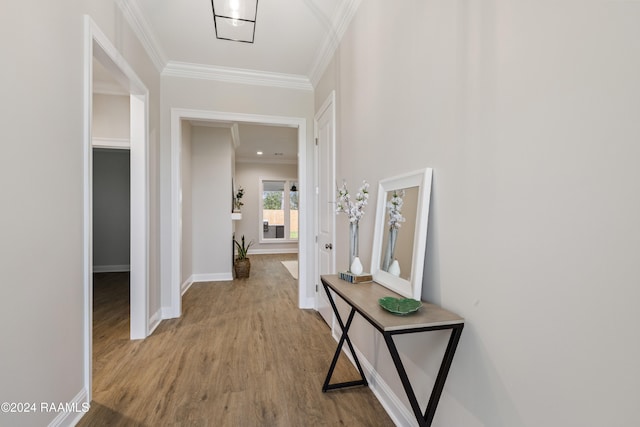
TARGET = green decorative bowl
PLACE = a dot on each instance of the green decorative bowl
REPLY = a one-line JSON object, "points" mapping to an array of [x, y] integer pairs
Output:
{"points": [[400, 306]]}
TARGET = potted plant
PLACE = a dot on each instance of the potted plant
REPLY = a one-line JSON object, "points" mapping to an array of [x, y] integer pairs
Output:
{"points": [[242, 265]]}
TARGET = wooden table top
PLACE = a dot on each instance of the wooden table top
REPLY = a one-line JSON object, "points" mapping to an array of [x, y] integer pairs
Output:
{"points": [[364, 298]]}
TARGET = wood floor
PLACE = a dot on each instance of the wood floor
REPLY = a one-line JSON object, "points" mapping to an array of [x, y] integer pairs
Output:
{"points": [[242, 354]]}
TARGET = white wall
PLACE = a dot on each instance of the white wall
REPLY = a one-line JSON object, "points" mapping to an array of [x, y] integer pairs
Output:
{"points": [[211, 203], [111, 116], [528, 113], [41, 223], [248, 176]]}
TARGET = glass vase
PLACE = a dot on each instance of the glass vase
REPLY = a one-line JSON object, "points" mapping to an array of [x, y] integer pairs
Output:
{"points": [[391, 248], [353, 242]]}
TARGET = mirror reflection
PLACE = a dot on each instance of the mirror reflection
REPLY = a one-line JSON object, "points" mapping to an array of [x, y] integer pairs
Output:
{"points": [[399, 232]]}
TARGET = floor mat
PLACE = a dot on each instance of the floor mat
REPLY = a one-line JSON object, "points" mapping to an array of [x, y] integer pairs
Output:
{"points": [[292, 266]]}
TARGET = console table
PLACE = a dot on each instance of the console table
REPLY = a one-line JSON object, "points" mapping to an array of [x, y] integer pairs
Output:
{"points": [[363, 299]]}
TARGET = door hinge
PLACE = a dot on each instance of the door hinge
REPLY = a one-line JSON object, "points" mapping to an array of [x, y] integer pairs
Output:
{"points": [[316, 287], [316, 141], [316, 239]]}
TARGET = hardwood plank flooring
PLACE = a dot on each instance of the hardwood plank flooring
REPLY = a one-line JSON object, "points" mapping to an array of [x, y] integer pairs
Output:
{"points": [[242, 354]]}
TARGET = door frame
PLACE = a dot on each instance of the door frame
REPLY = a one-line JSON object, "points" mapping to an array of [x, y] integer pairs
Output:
{"points": [[305, 298], [97, 45], [329, 104]]}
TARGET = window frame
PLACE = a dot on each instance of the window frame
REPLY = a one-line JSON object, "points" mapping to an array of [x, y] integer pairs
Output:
{"points": [[287, 209]]}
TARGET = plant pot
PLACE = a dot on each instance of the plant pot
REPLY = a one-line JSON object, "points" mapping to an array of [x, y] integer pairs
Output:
{"points": [[242, 268]]}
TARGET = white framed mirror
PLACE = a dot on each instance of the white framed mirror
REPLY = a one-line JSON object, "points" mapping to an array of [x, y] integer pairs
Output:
{"points": [[400, 235]]}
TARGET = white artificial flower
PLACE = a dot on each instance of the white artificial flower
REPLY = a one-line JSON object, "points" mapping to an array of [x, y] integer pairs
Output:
{"points": [[394, 206], [353, 209]]}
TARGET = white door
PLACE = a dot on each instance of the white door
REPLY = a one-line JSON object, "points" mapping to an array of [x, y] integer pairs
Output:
{"points": [[325, 197]]}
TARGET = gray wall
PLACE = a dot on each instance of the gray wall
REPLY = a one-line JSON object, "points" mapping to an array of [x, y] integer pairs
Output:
{"points": [[529, 113], [111, 210]]}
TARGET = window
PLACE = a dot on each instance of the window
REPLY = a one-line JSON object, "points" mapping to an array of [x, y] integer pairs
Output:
{"points": [[278, 210]]}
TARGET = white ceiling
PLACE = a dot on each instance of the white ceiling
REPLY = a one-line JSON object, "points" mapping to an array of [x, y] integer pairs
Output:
{"points": [[278, 144], [288, 34], [294, 39]]}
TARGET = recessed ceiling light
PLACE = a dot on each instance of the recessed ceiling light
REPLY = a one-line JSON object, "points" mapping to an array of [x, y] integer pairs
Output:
{"points": [[278, 154], [259, 153]]}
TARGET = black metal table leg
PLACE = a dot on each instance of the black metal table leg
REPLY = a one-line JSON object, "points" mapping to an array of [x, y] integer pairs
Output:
{"points": [[456, 332], [344, 337], [426, 419]]}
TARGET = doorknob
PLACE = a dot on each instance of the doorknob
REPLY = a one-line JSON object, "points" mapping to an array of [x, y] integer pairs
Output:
{"points": [[328, 246]]}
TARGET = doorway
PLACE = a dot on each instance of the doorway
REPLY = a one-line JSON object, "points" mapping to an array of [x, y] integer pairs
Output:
{"points": [[101, 55], [178, 116]]}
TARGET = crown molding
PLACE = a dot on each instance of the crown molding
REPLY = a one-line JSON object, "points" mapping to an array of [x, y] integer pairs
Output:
{"points": [[236, 75], [143, 31], [341, 21]]}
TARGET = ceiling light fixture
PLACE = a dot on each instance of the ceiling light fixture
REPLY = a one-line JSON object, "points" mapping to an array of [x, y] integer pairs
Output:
{"points": [[235, 20], [259, 153]]}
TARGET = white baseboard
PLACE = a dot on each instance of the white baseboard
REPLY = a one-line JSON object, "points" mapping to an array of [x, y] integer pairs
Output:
{"points": [[397, 411], [169, 313], [111, 268], [79, 406], [308, 303], [212, 277], [209, 277], [154, 321], [273, 251], [186, 285], [400, 414]]}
